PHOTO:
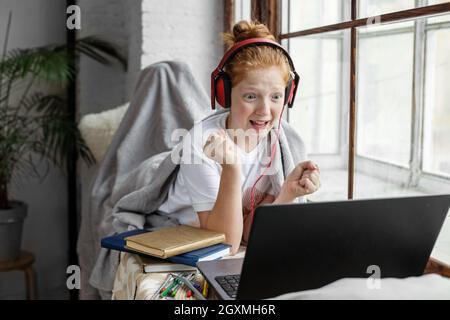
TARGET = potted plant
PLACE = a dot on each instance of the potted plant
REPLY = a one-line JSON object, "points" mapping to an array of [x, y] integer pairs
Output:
{"points": [[37, 126]]}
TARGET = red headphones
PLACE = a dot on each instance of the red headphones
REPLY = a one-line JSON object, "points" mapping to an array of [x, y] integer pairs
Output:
{"points": [[221, 81]]}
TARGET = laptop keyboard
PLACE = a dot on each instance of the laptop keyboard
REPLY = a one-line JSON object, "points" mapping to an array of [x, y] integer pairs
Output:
{"points": [[229, 284]]}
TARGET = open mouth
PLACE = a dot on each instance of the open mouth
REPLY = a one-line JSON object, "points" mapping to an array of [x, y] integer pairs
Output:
{"points": [[259, 124]]}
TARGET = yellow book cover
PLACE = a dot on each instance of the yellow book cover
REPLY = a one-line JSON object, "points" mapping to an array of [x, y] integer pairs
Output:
{"points": [[171, 241]]}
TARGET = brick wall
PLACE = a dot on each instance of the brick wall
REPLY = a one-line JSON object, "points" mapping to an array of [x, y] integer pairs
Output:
{"points": [[187, 30], [147, 31]]}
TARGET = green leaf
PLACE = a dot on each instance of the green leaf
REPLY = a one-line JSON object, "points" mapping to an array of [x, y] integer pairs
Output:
{"points": [[99, 50], [40, 124], [47, 64]]}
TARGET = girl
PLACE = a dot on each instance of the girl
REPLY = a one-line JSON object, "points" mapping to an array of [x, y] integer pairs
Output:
{"points": [[217, 192]]}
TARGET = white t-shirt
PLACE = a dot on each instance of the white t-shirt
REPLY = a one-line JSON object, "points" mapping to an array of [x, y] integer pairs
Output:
{"points": [[197, 183]]}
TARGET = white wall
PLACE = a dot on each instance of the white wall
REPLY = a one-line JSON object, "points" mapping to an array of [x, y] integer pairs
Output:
{"points": [[188, 30], [147, 31], [37, 23]]}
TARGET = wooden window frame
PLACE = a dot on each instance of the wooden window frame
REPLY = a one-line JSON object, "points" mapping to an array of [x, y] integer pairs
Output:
{"points": [[265, 11], [269, 13]]}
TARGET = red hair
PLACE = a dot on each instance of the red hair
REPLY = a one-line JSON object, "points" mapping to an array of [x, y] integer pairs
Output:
{"points": [[252, 58]]}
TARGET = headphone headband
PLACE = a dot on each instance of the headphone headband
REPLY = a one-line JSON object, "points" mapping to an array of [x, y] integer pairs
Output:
{"points": [[239, 46]]}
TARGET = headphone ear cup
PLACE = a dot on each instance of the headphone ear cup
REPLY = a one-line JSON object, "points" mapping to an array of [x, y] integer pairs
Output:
{"points": [[289, 91], [223, 90]]}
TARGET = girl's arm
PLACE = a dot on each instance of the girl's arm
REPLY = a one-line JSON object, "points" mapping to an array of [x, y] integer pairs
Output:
{"points": [[303, 180], [226, 215]]}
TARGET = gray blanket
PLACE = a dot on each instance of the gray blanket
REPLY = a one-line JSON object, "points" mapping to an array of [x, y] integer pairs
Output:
{"points": [[138, 168]]}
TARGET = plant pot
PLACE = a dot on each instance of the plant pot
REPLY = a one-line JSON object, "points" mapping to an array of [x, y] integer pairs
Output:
{"points": [[11, 224]]}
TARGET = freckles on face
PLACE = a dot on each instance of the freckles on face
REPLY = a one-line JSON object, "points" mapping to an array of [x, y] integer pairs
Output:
{"points": [[257, 101]]}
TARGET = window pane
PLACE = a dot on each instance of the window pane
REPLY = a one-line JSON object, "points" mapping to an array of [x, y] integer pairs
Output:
{"points": [[368, 8], [436, 145], [384, 110], [436, 142], [284, 16], [384, 106], [242, 10], [320, 111], [316, 112], [306, 14], [439, 18], [384, 92]]}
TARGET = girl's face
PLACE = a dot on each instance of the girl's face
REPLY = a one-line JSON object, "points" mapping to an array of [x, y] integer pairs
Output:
{"points": [[257, 101]]}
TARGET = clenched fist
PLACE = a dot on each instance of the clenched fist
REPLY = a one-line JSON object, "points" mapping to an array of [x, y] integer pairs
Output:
{"points": [[303, 180], [220, 148]]}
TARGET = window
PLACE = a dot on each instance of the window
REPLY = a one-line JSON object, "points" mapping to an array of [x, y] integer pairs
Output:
{"points": [[406, 146], [400, 73], [400, 70], [402, 108], [368, 8], [317, 111], [384, 92], [242, 10], [306, 14], [436, 141]]}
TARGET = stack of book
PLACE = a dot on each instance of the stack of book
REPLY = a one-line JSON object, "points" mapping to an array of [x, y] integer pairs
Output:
{"points": [[176, 248]]}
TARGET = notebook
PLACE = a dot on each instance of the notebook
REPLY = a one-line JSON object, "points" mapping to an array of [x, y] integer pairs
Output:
{"points": [[217, 251], [158, 265], [171, 241], [183, 262]]}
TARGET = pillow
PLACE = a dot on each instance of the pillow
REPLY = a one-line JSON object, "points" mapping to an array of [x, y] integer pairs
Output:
{"points": [[98, 129]]}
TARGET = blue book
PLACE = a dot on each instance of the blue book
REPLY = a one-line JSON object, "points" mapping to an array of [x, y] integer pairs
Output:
{"points": [[217, 251], [117, 241], [191, 258]]}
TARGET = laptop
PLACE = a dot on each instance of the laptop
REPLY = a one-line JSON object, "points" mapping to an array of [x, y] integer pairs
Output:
{"points": [[295, 247]]}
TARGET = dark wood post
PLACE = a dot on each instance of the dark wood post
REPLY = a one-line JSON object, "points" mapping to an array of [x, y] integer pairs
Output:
{"points": [[352, 120], [72, 183], [267, 12]]}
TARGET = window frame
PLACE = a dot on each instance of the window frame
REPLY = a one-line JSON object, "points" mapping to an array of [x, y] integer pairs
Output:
{"points": [[418, 176], [270, 12], [415, 175]]}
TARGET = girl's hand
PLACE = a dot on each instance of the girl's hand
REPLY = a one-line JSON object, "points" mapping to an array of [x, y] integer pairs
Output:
{"points": [[303, 180], [220, 148]]}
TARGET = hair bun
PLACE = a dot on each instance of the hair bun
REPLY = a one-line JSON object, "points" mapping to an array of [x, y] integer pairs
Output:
{"points": [[244, 30]]}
